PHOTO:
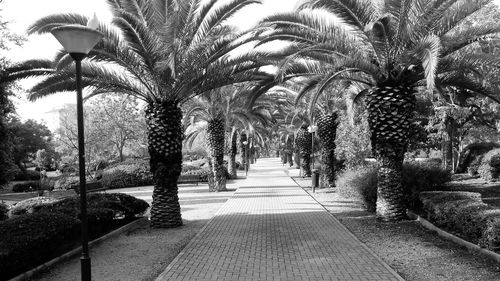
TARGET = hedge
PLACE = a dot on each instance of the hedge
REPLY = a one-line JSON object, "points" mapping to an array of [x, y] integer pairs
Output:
{"points": [[127, 174], [26, 186], [465, 214], [31, 239], [27, 175], [29, 205], [490, 165], [361, 182]]}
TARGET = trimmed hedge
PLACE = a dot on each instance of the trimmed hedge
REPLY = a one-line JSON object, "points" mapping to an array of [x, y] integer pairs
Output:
{"points": [[29, 205], [27, 175], [472, 155], [465, 214], [490, 165], [361, 182], [32, 239], [25, 186], [129, 173]]}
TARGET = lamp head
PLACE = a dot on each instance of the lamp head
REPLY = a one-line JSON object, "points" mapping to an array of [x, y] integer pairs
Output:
{"points": [[77, 39]]}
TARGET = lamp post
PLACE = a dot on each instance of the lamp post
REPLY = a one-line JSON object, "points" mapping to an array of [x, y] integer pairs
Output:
{"points": [[315, 175], [245, 143], [78, 40]]}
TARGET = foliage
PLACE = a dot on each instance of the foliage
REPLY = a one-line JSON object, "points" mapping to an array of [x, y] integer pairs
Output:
{"points": [[29, 205], [46, 159], [4, 210], [28, 138], [466, 214], [472, 156], [121, 206], [490, 165], [361, 182], [353, 140], [127, 174], [26, 175], [31, 239], [26, 186]]}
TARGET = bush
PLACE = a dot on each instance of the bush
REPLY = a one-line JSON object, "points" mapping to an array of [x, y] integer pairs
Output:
{"points": [[4, 210], [27, 175], [129, 173], [490, 165], [201, 172], [32, 239], [29, 205], [465, 214], [471, 153], [121, 206], [361, 182], [26, 186]]}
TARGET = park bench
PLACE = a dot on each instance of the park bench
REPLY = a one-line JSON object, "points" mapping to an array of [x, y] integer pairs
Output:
{"points": [[91, 187], [189, 179]]}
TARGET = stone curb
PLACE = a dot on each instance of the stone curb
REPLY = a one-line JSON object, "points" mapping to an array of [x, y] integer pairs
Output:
{"points": [[76, 251], [470, 246]]}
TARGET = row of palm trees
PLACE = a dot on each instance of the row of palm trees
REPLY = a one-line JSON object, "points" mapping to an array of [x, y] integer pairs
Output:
{"points": [[167, 52]]}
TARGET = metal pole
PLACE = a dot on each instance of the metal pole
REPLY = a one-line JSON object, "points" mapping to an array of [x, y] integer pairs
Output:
{"points": [[85, 258]]}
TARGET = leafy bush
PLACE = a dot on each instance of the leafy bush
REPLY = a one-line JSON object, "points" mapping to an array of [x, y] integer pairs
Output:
{"points": [[32, 239], [4, 210], [490, 165], [121, 206], [201, 172], [65, 182], [473, 153], [29, 205], [26, 186], [27, 175], [466, 214], [129, 173], [361, 182]]}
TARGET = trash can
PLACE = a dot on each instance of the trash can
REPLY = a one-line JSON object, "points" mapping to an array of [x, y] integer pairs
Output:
{"points": [[315, 179]]}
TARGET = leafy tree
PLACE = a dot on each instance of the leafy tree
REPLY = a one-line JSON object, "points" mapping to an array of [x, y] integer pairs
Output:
{"points": [[28, 137], [164, 53], [46, 159]]}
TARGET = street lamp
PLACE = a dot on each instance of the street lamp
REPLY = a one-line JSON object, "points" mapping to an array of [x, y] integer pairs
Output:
{"points": [[78, 40], [315, 175], [245, 156]]}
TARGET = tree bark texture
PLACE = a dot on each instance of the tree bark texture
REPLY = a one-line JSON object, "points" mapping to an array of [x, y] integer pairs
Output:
{"points": [[215, 144], [232, 156], [390, 114], [165, 134], [327, 132]]}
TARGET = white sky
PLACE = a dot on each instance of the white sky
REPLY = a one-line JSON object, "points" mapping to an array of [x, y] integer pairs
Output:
{"points": [[22, 13]]}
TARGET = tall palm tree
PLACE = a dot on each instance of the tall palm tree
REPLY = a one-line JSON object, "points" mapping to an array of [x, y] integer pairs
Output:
{"points": [[392, 47], [164, 52]]}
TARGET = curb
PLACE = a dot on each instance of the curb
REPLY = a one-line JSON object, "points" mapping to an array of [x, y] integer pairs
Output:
{"points": [[455, 239], [24, 276]]}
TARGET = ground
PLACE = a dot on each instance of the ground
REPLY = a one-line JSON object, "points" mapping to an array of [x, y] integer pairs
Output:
{"points": [[414, 252]]}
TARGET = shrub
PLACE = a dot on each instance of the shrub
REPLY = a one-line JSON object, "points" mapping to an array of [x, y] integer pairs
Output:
{"points": [[29, 205], [361, 182], [465, 214], [490, 165], [129, 173], [32, 239], [121, 206], [27, 175], [473, 168], [201, 172], [26, 186], [470, 156], [65, 182], [4, 210]]}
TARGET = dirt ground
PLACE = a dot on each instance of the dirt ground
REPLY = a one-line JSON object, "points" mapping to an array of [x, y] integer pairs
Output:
{"points": [[143, 253], [414, 252]]}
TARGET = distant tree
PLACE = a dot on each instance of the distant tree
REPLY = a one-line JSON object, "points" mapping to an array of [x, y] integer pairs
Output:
{"points": [[46, 159], [27, 138]]}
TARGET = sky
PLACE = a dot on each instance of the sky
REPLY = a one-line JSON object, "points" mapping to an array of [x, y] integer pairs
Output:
{"points": [[22, 13]]}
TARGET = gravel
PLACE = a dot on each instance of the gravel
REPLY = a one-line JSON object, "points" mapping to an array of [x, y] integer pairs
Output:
{"points": [[414, 252]]}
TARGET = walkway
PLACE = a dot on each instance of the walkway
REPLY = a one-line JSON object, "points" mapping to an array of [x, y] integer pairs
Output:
{"points": [[271, 229]]}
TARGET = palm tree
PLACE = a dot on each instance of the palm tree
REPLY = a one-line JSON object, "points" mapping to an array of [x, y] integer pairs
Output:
{"points": [[165, 53], [392, 48]]}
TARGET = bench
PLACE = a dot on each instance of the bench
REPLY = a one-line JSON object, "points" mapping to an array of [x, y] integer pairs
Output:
{"points": [[188, 179], [91, 187]]}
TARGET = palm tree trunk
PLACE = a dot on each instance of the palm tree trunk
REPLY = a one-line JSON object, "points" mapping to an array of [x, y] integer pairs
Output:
{"points": [[215, 145], [327, 132], [304, 141], [165, 134], [232, 156], [390, 113]]}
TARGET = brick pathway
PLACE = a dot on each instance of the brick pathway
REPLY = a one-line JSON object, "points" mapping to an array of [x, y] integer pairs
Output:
{"points": [[273, 230]]}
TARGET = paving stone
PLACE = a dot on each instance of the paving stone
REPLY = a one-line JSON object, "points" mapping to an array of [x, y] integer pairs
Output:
{"points": [[270, 230]]}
